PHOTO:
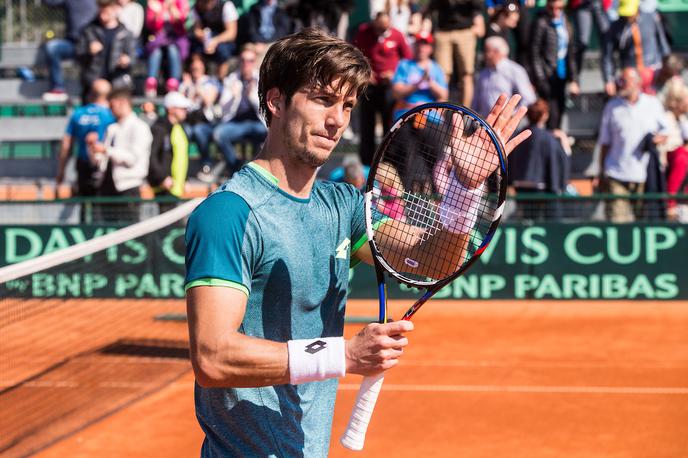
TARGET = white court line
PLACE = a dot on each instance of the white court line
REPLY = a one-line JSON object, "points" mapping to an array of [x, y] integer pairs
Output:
{"points": [[526, 389], [543, 364]]}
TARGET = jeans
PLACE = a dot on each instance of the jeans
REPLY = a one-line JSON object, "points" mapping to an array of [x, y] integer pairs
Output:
{"points": [[174, 62], [583, 18], [228, 133], [56, 51], [202, 133], [377, 99]]}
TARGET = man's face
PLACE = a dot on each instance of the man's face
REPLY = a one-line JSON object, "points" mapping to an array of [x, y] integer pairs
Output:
{"points": [[178, 113], [107, 14], [197, 69], [628, 84], [555, 8], [120, 107], [492, 56], [247, 62], [314, 121], [423, 50], [381, 23]]}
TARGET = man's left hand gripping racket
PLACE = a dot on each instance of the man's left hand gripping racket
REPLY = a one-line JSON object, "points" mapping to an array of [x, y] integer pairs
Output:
{"points": [[434, 197]]}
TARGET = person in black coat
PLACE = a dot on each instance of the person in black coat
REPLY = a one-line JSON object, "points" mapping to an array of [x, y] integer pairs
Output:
{"points": [[553, 59], [539, 165]]}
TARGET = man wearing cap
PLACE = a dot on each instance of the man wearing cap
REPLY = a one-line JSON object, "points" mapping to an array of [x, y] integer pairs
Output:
{"points": [[169, 160], [122, 157], [384, 46], [640, 41], [419, 80]]}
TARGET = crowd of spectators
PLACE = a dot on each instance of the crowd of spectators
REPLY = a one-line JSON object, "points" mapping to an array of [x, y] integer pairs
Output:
{"points": [[209, 52]]}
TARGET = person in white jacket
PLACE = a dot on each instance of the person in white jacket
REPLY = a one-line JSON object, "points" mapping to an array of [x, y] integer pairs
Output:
{"points": [[123, 157], [241, 121]]}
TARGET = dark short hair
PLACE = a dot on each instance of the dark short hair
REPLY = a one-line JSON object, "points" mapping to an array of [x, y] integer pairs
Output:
{"points": [[537, 110], [120, 93], [104, 3], [311, 58]]}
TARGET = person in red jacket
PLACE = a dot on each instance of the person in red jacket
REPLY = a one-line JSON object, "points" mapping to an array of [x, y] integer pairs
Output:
{"points": [[384, 46]]}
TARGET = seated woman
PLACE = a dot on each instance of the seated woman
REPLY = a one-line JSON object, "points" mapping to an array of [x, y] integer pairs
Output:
{"points": [[165, 23]]}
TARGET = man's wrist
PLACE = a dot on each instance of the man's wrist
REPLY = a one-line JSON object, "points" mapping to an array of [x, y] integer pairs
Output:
{"points": [[316, 359]]}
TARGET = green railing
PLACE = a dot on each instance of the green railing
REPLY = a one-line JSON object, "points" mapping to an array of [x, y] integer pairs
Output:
{"points": [[520, 208]]}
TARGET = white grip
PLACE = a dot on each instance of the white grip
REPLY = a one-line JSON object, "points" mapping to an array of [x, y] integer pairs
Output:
{"points": [[354, 436]]}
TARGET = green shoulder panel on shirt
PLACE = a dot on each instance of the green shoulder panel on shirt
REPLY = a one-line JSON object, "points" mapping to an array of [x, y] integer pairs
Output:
{"points": [[216, 282]]}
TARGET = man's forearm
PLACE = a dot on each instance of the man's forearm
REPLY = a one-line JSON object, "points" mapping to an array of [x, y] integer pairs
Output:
{"points": [[240, 361]]}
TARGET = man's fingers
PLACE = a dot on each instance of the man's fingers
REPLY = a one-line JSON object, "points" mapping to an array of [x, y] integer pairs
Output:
{"points": [[396, 327], [496, 110], [505, 115], [513, 123], [517, 140]]}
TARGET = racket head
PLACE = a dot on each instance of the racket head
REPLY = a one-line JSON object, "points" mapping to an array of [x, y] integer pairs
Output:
{"points": [[403, 185]]}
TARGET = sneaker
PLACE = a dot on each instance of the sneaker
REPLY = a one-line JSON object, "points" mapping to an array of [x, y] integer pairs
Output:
{"points": [[151, 87], [55, 95], [171, 85], [206, 174]]}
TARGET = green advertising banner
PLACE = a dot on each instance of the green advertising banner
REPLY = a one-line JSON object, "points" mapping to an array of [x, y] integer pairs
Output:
{"points": [[546, 261]]}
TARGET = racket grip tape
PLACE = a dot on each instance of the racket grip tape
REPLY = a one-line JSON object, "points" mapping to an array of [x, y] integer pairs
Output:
{"points": [[354, 436]]}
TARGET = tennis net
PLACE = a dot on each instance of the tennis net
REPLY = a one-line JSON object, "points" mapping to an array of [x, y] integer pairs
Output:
{"points": [[87, 328]]}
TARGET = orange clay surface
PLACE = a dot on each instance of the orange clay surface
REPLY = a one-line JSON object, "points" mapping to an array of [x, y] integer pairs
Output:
{"points": [[480, 379]]}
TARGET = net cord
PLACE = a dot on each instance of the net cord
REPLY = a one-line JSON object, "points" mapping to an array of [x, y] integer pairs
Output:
{"points": [[31, 266]]}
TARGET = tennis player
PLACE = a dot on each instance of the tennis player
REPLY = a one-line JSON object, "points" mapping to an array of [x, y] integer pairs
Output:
{"points": [[268, 257]]}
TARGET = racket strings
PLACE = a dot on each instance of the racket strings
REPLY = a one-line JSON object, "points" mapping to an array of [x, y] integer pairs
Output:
{"points": [[415, 184]]}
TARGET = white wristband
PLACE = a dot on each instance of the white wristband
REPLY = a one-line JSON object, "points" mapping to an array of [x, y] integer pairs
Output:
{"points": [[460, 207], [316, 359]]}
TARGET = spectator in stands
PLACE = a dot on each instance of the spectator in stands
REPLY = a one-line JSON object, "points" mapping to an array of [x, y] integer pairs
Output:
{"points": [[78, 14], [638, 40], [241, 120], [132, 16], [504, 20], [123, 156], [503, 13], [539, 165], [203, 91], [676, 103], [384, 46], [169, 160], [265, 23], [329, 15], [166, 26], [459, 25], [553, 63], [672, 69], [418, 80], [500, 75], [584, 13], [106, 48], [629, 122], [215, 32], [351, 171], [85, 123]]}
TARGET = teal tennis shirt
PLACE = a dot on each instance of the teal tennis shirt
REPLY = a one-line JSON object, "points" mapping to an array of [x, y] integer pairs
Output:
{"points": [[291, 258]]}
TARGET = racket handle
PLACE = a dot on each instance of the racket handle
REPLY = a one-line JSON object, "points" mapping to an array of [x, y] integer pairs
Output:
{"points": [[354, 436]]}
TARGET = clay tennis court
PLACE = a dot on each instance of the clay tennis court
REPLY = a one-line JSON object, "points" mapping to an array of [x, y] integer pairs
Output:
{"points": [[480, 379]]}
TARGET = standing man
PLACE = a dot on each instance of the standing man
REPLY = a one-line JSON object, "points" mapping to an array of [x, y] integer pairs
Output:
{"points": [[169, 162], [384, 46], [500, 75], [87, 125], [106, 49], [553, 59], [629, 122], [265, 281], [638, 39], [459, 25], [123, 157]]}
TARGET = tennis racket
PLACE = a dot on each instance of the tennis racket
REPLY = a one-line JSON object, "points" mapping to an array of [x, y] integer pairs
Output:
{"points": [[434, 197]]}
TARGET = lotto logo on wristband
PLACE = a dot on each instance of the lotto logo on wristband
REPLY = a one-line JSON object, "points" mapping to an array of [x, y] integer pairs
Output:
{"points": [[315, 347]]}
